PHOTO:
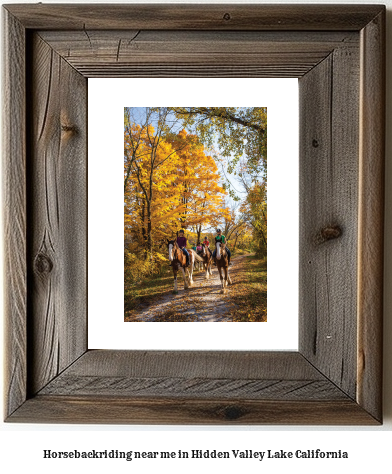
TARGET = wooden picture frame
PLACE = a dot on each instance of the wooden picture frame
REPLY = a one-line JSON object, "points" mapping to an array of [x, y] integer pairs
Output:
{"points": [[338, 54]]}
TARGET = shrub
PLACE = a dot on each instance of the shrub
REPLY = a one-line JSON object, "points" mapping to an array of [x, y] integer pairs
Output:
{"points": [[139, 266]]}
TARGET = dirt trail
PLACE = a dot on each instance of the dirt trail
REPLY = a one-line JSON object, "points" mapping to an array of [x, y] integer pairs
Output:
{"points": [[202, 302]]}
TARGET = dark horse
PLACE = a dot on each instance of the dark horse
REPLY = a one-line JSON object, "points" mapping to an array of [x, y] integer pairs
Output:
{"points": [[178, 261], [222, 262], [206, 255]]}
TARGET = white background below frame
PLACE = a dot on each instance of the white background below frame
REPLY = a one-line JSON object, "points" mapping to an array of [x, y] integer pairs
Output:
{"points": [[106, 327]]}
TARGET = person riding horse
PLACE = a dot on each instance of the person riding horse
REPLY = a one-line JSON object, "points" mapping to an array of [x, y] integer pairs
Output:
{"points": [[221, 239], [181, 242]]}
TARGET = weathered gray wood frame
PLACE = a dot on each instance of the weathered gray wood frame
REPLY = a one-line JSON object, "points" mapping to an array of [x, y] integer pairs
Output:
{"points": [[337, 52]]}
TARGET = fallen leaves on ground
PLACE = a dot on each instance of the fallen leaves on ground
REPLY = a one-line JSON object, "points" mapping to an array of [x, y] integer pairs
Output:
{"points": [[249, 293], [245, 300]]}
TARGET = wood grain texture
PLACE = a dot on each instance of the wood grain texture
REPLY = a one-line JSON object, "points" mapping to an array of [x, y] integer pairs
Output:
{"points": [[190, 387], [371, 216], [58, 215], [194, 17], [341, 221], [262, 375], [207, 364], [103, 409], [178, 53], [328, 216], [14, 208]]}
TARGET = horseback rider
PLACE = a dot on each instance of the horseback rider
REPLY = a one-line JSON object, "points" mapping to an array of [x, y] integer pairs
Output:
{"points": [[199, 248], [206, 244], [181, 242], [221, 239]]}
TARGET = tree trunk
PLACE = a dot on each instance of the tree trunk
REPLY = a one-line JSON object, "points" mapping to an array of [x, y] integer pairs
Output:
{"points": [[149, 231], [235, 242], [198, 233], [143, 220], [262, 235]]}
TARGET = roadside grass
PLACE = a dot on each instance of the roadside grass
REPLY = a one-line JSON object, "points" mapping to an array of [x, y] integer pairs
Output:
{"points": [[238, 252], [147, 290], [250, 292]]}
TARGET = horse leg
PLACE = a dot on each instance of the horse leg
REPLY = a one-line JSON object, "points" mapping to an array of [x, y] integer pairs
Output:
{"points": [[221, 279], [205, 264], [192, 263], [228, 277], [189, 275], [184, 277], [175, 291], [209, 265]]}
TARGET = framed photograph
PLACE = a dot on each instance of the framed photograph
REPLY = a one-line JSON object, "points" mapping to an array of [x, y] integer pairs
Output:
{"points": [[195, 197], [151, 297], [338, 55]]}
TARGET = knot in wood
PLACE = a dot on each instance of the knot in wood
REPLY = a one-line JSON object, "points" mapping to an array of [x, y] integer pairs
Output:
{"points": [[328, 233], [68, 128], [227, 16], [315, 143], [43, 264], [232, 413]]}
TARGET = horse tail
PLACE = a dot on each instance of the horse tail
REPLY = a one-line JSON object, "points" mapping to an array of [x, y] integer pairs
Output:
{"points": [[199, 259]]}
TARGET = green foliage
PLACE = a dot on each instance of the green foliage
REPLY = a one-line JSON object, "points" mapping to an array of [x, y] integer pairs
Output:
{"points": [[240, 134], [237, 131], [254, 211]]}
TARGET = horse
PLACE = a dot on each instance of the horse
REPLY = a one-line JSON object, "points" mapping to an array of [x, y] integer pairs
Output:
{"points": [[178, 260], [193, 259], [222, 262], [207, 260]]}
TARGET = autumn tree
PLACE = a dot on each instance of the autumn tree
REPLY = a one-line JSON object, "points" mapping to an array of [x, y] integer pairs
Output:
{"points": [[254, 212], [201, 195], [169, 180], [172, 180], [240, 136], [150, 196], [236, 131], [148, 160]]}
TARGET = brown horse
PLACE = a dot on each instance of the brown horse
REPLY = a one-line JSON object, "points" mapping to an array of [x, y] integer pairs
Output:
{"points": [[222, 262], [206, 255], [178, 261]]}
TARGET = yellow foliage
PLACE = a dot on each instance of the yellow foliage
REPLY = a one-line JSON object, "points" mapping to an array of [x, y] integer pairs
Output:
{"points": [[170, 183]]}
